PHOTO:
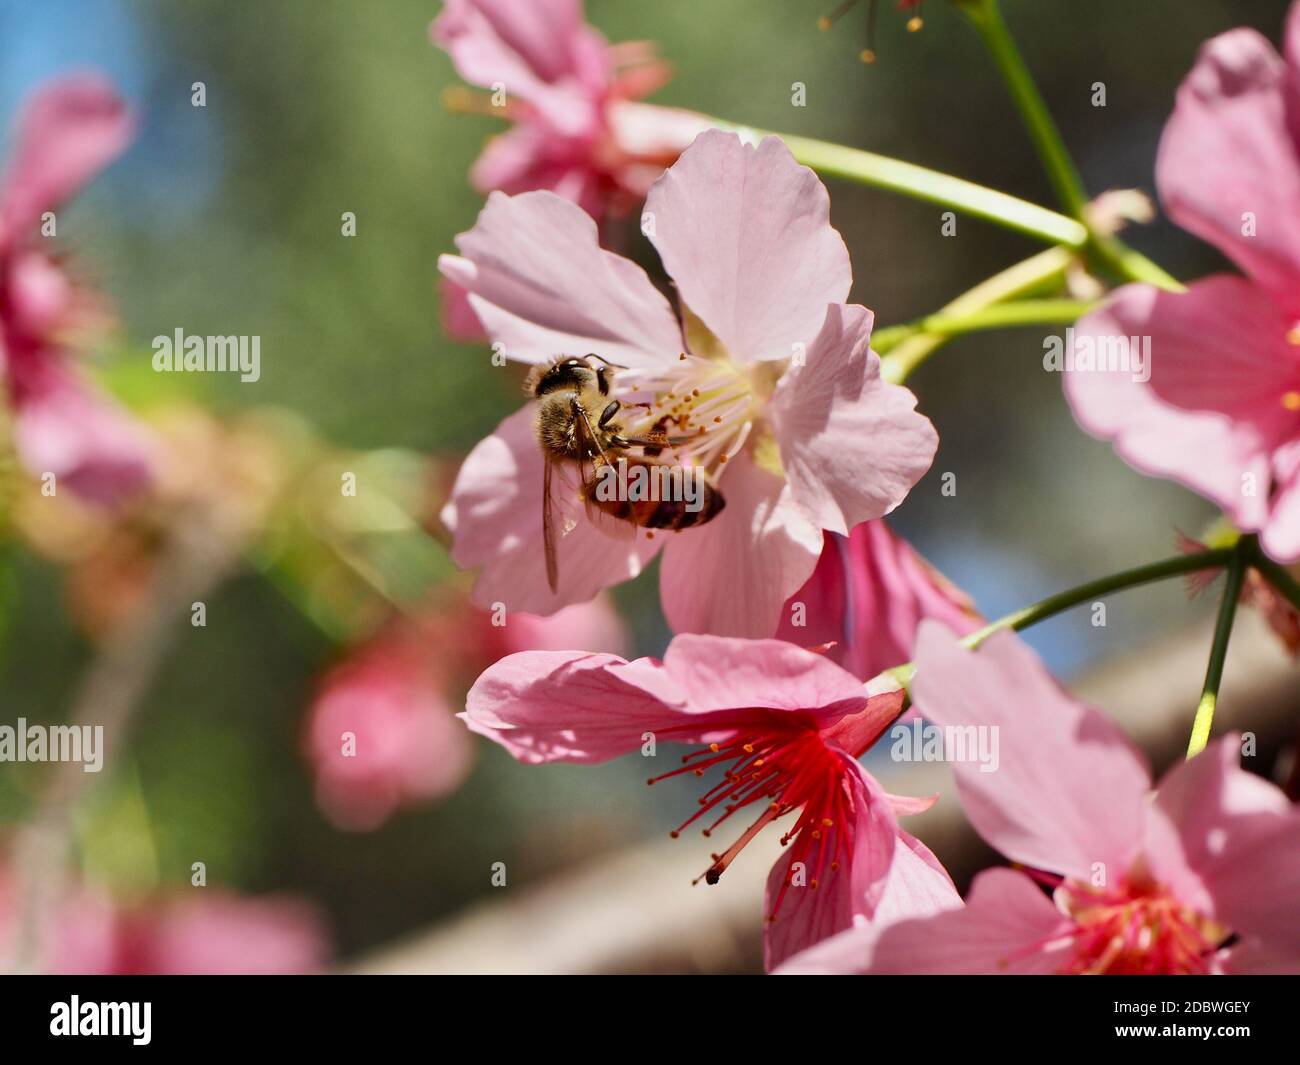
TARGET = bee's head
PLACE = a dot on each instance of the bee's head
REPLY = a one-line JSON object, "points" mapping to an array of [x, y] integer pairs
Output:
{"points": [[572, 373]]}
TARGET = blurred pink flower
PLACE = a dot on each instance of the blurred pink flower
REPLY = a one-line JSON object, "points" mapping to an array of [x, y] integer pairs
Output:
{"points": [[1221, 410], [68, 131], [867, 596], [784, 726], [770, 372], [1204, 877], [380, 732], [210, 931], [570, 96], [218, 933]]}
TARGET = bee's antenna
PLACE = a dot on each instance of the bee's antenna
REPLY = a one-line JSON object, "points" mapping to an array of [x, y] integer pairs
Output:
{"points": [[615, 365]]}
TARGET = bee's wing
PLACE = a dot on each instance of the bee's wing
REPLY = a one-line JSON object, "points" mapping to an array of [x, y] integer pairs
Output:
{"points": [[548, 526], [562, 483], [605, 515]]}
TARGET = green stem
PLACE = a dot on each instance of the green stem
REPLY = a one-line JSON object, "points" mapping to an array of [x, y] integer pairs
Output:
{"points": [[1123, 261], [997, 316], [987, 19], [1279, 578], [1132, 265], [921, 183], [1041, 272], [1242, 554], [1115, 582]]}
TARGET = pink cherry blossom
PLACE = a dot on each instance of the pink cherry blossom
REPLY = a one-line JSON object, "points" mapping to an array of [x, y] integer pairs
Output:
{"points": [[577, 129], [211, 931], [63, 425], [769, 372], [782, 727], [380, 732], [867, 596], [1202, 877], [1221, 410]]}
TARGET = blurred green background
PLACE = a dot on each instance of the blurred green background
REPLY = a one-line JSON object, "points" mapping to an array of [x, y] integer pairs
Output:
{"points": [[226, 219]]}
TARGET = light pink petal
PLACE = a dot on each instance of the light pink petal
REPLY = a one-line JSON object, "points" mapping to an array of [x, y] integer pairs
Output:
{"points": [[918, 886], [1228, 843], [68, 131], [867, 596], [543, 287], [64, 426], [1256, 883], [459, 321], [852, 445], [909, 805], [1068, 789], [1221, 346], [1227, 154], [648, 131], [540, 51], [495, 515], [1008, 927], [1208, 451], [1207, 798], [732, 576], [1291, 54], [571, 706], [724, 672], [1281, 536], [1257, 958], [808, 914], [532, 156], [745, 234]]}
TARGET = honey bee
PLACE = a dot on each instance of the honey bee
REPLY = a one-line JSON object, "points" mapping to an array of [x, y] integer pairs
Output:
{"points": [[579, 430]]}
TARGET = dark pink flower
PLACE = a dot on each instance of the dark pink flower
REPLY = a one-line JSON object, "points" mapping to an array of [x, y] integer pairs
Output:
{"points": [[63, 425], [780, 730], [1201, 877], [769, 372], [1220, 412], [866, 598], [577, 130]]}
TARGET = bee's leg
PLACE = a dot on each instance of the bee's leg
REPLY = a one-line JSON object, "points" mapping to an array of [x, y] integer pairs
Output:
{"points": [[607, 415]]}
